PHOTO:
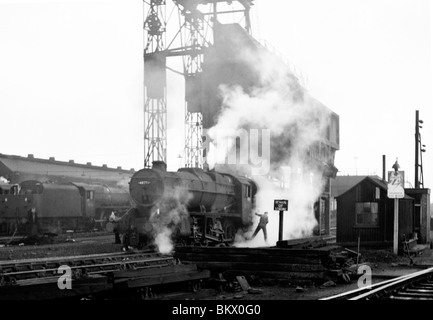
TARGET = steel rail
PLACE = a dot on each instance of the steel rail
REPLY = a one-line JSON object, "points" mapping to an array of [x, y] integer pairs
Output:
{"points": [[382, 289], [87, 266], [71, 258], [130, 262]]}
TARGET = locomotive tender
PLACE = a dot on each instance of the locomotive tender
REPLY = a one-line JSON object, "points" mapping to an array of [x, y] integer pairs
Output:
{"points": [[59, 206], [191, 202]]}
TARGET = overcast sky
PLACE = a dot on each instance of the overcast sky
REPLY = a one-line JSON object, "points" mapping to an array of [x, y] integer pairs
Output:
{"points": [[71, 77]]}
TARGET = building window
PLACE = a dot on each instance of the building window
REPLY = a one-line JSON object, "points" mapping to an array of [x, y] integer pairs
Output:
{"points": [[367, 214], [377, 193]]}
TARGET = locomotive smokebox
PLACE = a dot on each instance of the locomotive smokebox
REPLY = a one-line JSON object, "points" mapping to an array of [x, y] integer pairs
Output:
{"points": [[147, 187]]}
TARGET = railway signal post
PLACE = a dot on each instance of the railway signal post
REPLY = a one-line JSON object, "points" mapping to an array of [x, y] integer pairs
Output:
{"points": [[281, 205], [396, 191]]}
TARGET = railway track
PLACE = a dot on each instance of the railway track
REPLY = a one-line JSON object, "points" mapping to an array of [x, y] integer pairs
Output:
{"points": [[414, 286], [16, 271]]}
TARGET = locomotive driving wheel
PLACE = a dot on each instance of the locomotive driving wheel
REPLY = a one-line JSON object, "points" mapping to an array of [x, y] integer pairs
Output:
{"points": [[229, 229]]}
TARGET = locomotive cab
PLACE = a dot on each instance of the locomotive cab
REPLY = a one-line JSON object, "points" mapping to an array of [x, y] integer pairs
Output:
{"points": [[87, 199]]}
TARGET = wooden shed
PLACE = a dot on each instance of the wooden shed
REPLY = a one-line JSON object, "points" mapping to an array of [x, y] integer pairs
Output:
{"points": [[365, 211]]}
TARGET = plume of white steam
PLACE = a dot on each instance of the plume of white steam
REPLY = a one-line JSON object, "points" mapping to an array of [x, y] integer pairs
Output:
{"points": [[302, 190], [297, 123], [171, 212], [163, 240], [2, 179], [124, 182]]}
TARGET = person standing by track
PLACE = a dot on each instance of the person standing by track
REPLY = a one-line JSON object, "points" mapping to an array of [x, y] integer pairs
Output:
{"points": [[262, 225], [113, 219], [32, 218]]}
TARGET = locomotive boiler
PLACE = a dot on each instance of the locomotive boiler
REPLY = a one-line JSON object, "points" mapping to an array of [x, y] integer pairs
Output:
{"points": [[60, 206], [192, 203]]}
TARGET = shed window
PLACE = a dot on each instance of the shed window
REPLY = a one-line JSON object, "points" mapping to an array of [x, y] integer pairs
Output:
{"points": [[367, 214], [377, 193]]}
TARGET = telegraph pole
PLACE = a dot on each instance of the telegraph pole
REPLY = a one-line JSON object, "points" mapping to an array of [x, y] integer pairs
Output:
{"points": [[419, 149], [416, 147]]}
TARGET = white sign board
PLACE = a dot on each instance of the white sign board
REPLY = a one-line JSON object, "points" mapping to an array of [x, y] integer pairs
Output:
{"points": [[281, 205], [395, 184]]}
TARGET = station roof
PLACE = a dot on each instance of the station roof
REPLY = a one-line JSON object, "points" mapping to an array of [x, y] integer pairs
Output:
{"points": [[17, 169]]}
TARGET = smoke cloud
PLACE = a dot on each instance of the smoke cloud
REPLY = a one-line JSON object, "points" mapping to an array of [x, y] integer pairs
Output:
{"points": [[297, 124], [170, 215]]}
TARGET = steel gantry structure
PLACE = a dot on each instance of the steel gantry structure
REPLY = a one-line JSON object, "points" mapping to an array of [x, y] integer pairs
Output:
{"points": [[195, 34], [155, 88]]}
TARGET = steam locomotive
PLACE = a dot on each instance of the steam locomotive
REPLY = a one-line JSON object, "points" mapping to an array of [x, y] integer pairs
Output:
{"points": [[191, 205], [59, 206]]}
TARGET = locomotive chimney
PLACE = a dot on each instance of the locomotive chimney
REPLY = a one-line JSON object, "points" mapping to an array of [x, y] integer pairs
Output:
{"points": [[205, 166], [159, 165]]}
